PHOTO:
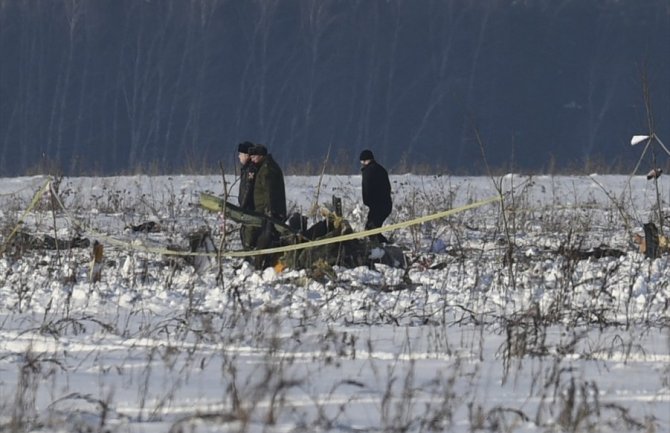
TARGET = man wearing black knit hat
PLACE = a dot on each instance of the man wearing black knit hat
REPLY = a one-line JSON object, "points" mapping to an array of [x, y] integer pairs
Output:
{"points": [[376, 192], [269, 192], [269, 199], [245, 194]]}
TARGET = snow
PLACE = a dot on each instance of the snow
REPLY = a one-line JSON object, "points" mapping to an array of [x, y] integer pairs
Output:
{"points": [[475, 335]]}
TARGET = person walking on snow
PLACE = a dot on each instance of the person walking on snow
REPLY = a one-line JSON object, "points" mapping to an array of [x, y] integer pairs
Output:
{"points": [[376, 192]]}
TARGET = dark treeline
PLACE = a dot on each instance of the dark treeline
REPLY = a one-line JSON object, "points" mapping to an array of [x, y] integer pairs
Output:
{"points": [[110, 86]]}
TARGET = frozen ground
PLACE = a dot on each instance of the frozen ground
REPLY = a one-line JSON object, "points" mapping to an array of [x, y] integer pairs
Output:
{"points": [[504, 321]]}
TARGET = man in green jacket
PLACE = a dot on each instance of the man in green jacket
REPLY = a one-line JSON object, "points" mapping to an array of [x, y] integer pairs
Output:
{"points": [[269, 199]]}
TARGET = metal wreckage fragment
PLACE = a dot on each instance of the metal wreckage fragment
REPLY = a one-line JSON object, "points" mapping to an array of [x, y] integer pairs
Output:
{"points": [[349, 253]]}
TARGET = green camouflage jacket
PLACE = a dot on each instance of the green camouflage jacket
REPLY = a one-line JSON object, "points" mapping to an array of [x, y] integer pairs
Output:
{"points": [[269, 193]]}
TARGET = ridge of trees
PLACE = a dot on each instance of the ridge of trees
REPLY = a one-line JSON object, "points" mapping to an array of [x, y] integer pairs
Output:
{"points": [[106, 86]]}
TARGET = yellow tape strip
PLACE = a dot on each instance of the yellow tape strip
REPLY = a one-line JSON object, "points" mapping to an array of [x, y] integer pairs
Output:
{"points": [[366, 233], [295, 247], [36, 198]]}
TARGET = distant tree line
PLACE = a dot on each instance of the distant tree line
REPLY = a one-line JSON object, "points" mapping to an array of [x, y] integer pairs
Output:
{"points": [[110, 86]]}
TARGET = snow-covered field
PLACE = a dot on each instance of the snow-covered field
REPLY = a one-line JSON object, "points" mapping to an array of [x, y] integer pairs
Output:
{"points": [[504, 320]]}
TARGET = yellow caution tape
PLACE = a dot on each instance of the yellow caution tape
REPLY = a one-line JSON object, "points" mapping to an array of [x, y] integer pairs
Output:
{"points": [[294, 247], [363, 234]]}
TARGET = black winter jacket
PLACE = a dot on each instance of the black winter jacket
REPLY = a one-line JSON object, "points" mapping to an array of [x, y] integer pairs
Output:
{"points": [[376, 187], [245, 195]]}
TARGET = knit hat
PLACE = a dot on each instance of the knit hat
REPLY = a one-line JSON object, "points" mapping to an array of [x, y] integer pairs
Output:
{"points": [[258, 149], [366, 154], [244, 147]]}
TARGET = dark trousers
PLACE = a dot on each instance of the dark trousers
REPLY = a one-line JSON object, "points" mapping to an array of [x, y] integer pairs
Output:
{"points": [[262, 238], [376, 218], [247, 234]]}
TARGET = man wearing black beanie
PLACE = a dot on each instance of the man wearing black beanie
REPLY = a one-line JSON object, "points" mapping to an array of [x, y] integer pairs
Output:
{"points": [[269, 200], [245, 194], [376, 192]]}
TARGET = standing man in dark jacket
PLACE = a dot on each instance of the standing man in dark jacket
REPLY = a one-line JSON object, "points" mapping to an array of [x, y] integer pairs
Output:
{"points": [[376, 192], [245, 194], [269, 199], [269, 194]]}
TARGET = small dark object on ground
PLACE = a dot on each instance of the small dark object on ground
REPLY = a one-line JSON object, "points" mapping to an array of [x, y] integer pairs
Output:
{"points": [[596, 253], [146, 227], [46, 242]]}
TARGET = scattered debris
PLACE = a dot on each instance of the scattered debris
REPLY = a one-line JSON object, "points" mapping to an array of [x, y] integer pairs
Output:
{"points": [[146, 227], [595, 253], [350, 253], [199, 241], [652, 245], [27, 241]]}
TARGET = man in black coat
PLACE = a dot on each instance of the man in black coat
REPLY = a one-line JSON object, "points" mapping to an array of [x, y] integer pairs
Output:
{"points": [[245, 194], [376, 192]]}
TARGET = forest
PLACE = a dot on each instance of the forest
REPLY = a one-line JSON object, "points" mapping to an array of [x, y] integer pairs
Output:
{"points": [[101, 87]]}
